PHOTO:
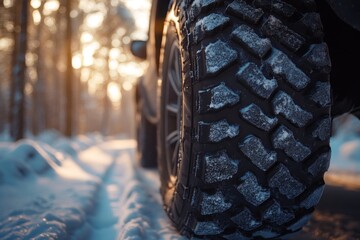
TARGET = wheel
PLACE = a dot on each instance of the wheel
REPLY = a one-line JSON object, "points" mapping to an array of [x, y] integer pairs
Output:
{"points": [[244, 128], [146, 138]]}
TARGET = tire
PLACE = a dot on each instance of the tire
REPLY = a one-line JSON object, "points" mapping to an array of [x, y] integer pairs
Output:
{"points": [[243, 147], [146, 138]]}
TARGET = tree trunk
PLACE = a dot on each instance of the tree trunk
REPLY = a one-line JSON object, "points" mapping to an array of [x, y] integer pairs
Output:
{"points": [[17, 96], [69, 73]]}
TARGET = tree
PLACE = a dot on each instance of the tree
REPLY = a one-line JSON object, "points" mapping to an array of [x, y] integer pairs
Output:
{"points": [[17, 95], [69, 73]]}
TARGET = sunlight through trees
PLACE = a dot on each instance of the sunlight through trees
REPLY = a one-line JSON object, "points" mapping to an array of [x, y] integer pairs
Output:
{"points": [[103, 68]]}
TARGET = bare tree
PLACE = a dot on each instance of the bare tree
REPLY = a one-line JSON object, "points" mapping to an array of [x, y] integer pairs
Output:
{"points": [[69, 73], [17, 95]]}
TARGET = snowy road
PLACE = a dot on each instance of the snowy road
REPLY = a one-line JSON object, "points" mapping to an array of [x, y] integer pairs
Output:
{"points": [[91, 188], [134, 210]]}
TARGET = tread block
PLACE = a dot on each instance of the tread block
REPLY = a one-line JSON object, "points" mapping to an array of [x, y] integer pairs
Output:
{"points": [[286, 183], [254, 115], [321, 95], [313, 199], [214, 203], [246, 36], [323, 129], [218, 56], [218, 167], [235, 236], [216, 131], [318, 57], [199, 6], [253, 148], [277, 215], [284, 139], [320, 165], [216, 98], [312, 22], [207, 228], [210, 24], [273, 27], [265, 233], [299, 224], [277, 7], [246, 221], [240, 8], [282, 66], [252, 191], [283, 104], [251, 75]]}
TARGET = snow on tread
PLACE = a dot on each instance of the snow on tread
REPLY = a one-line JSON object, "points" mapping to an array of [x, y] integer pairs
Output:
{"points": [[246, 221], [323, 129], [254, 115], [284, 139], [253, 148], [251, 75], [218, 56], [313, 199], [285, 183], [276, 6], [213, 203], [252, 191], [321, 95], [277, 215], [216, 98], [320, 165], [318, 57], [281, 65], [239, 8], [284, 104], [257, 45], [200, 5], [217, 131], [210, 24], [218, 167], [273, 27], [207, 228]]}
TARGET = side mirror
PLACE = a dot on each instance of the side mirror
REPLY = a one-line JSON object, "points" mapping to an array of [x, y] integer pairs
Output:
{"points": [[138, 49]]}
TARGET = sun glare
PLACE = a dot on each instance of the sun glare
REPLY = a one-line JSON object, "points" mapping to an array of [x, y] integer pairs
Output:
{"points": [[94, 20], [76, 61], [36, 17], [35, 4], [113, 91], [51, 6]]}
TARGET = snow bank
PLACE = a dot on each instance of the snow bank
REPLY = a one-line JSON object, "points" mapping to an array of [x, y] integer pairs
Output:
{"points": [[46, 193]]}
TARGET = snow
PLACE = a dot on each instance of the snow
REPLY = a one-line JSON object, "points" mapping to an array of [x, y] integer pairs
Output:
{"points": [[96, 192], [89, 187]]}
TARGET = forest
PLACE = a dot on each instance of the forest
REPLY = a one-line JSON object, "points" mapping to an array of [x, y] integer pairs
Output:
{"points": [[66, 65]]}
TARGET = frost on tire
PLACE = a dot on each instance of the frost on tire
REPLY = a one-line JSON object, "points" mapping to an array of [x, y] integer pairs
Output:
{"points": [[256, 120], [218, 166], [216, 98], [253, 148], [218, 56], [252, 191]]}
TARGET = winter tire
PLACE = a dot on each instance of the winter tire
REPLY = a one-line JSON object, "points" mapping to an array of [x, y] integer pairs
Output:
{"points": [[244, 126]]}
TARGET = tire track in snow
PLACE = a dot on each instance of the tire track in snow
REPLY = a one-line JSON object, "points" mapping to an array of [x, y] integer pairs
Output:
{"points": [[129, 203]]}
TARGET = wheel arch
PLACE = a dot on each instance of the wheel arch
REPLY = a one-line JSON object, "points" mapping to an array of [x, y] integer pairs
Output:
{"points": [[158, 15]]}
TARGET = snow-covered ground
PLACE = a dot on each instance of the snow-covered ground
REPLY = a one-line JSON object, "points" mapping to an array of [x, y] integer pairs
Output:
{"points": [[90, 187]]}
